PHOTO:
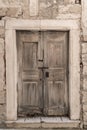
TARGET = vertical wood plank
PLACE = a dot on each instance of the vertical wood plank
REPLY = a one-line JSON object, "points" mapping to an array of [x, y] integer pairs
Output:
{"points": [[19, 65]]}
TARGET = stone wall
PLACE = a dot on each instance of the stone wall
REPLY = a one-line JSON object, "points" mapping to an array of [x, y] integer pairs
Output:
{"points": [[40, 9], [2, 71], [44, 9]]}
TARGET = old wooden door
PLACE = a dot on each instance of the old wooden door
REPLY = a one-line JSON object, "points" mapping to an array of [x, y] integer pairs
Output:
{"points": [[29, 84], [42, 73], [55, 83]]}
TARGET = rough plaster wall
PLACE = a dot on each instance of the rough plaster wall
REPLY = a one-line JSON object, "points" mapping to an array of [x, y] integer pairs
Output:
{"points": [[46, 9]]}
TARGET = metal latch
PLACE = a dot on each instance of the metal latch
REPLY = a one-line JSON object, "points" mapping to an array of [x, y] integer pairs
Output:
{"points": [[46, 74]]}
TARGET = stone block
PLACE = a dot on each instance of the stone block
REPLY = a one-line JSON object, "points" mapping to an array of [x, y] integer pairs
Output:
{"points": [[84, 19], [2, 84], [2, 97], [66, 1], [85, 70], [85, 116], [68, 16], [2, 112], [84, 48], [48, 9], [25, 2], [72, 1], [2, 69], [1, 44], [84, 59], [84, 35], [75, 9], [70, 8], [2, 32], [3, 11], [60, 2], [85, 125], [33, 7], [10, 11], [85, 82], [25, 125], [10, 2], [14, 11], [25, 12], [25, 9], [84, 97], [2, 109], [84, 13], [84, 107], [1, 23]]}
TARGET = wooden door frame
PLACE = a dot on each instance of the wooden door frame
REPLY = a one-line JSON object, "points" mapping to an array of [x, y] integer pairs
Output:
{"points": [[12, 25]]}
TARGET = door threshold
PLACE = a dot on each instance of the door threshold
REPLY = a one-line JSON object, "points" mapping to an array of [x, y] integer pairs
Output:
{"points": [[44, 122]]}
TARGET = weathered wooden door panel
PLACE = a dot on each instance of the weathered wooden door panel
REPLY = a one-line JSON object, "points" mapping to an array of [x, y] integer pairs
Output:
{"points": [[42, 73], [29, 85], [55, 58], [30, 57]]}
